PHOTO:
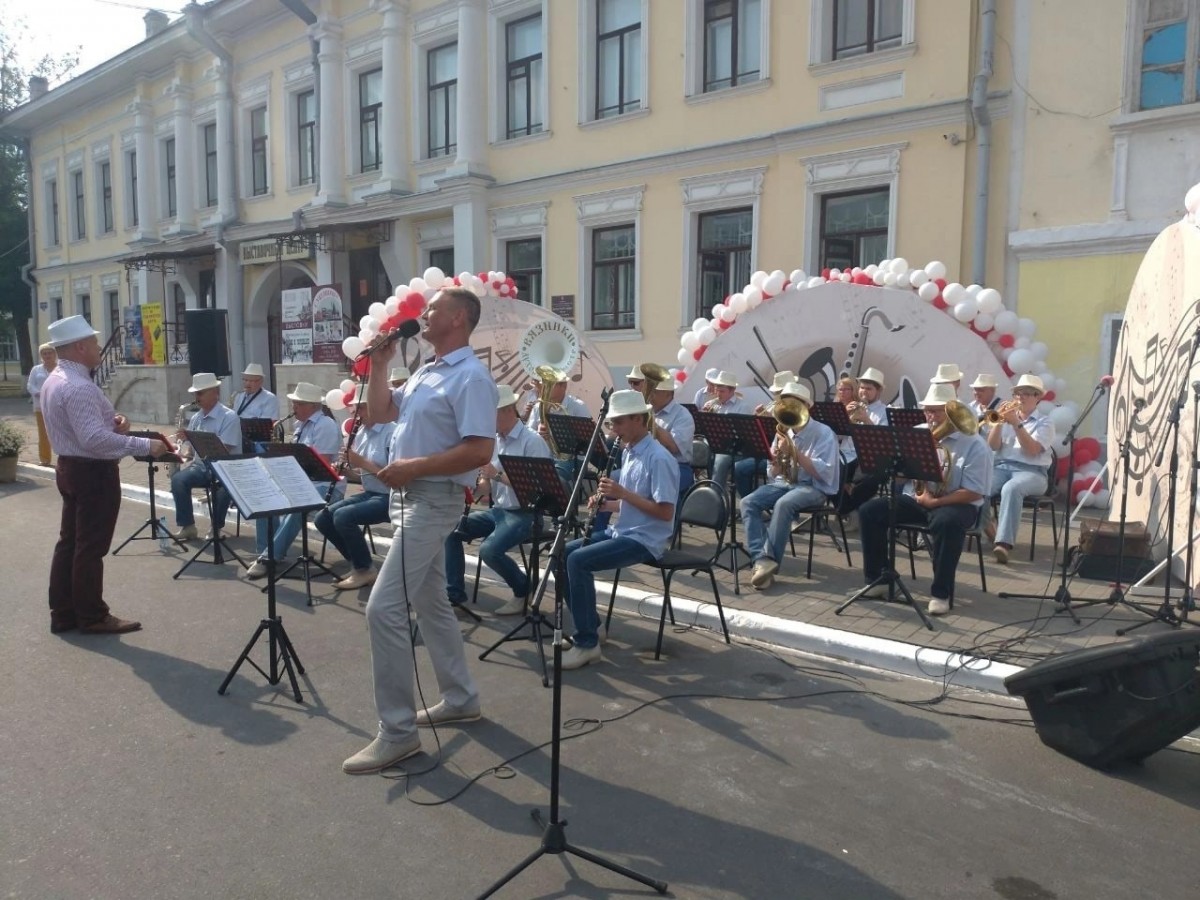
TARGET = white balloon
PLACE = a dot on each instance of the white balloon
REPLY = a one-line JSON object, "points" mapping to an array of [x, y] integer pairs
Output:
{"points": [[965, 310], [984, 321], [347, 385], [899, 264], [889, 279], [418, 284], [352, 346], [845, 278], [1039, 349], [366, 322], [1073, 407], [1060, 386], [993, 336], [684, 356], [835, 274], [367, 335], [754, 297], [935, 269], [1020, 361], [902, 280], [880, 276], [689, 341], [797, 276], [377, 311], [927, 291], [434, 277], [954, 293], [1022, 343], [816, 281], [1006, 321], [990, 301], [1062, 419], [1026, 327], [758, 279], [707, 335], [1039, 367], [1101, 498], [478, 288], [918, 277], [391, 305], [1004, 353], [1089, 470], [974, 289], [334, 400], [717, 310], [1045, 407], [697, 324], [737, 302], [774, 283]]}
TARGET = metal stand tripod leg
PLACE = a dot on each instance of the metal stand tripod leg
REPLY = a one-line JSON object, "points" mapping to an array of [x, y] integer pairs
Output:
{"points": [[157, 531], [534, 619], [304, 562], [734, 546], [216, 541]]}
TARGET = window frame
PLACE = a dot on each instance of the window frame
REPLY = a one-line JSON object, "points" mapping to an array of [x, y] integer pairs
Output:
{"points": [[108, 222], [132, 181], [538, 297], [170, 195], [620, 206], [599, 113], [53, 212], [112, 303], [306, 136], [434, 257], [1191, 57], [211, 173], [821, 39], [736, 79], [886, 232], [370, 117], [534, 95], [867, 168], [83, 303], [450, 87], [618, 265], [259, 150], [78, 205], [701, 307]]}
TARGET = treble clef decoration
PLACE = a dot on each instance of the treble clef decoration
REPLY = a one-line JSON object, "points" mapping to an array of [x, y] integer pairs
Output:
{"points": [[857, 350]]}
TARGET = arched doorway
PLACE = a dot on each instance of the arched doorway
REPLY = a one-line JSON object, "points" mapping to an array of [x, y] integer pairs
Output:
{"points": [[263, 341]]}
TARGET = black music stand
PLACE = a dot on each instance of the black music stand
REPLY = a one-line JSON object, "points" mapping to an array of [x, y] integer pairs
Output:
{"points": [[256, 433], [209, 449], [279, 644], [901, 417], [318, 472], [576, 432], [158, 532], [896, 453], [740, 436], [539, 490], [833, 414]]}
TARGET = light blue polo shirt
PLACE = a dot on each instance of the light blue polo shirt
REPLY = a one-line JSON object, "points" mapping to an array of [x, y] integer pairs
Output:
{"points": [[678, 421], [521, 441], [648, 470]]}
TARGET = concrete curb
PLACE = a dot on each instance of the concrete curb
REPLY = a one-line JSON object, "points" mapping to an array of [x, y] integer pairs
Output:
{"points": [[939, 666]]}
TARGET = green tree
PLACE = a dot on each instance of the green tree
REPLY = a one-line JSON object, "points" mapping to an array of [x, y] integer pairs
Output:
{"points": [[14, 190]]}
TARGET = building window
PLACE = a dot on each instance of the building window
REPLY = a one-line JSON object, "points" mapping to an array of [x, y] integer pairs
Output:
{"points": [[106, 198], [854, 228], [306, 137], [523, 263], [618, 57], [169, 153], [1170, 53], [80, 206], [179, 302], [113, 305], [614, 278], [442, 76], [52, 211], [442, 258], [131, 157], [732, 43], [210, 164], [370, 107], [258, 151], [726, 239], [523, 53], [57, 301], [866, 26], [85, 307]]}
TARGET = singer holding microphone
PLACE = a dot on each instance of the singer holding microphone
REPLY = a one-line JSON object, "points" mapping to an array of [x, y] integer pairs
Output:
{"points": [[1023, 453], [445, 432]]}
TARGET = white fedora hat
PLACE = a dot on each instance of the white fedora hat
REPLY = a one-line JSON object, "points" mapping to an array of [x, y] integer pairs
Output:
{"points": [[202, 381], [360, 394], [508, 397], [711, 375], [872, 375], [725, 379], [635, 374], [947, 373], [254, 370], [984, 380], [399, 373], [626, 403], [307, 392], [782, 380], [799, 391], [1030, 381], [69, 330], [939, 394]]}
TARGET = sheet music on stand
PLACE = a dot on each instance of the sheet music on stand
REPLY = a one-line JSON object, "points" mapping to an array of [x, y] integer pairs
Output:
{"points": [[572, 434], [172, 456], [536, 483], [312, 462], [737, 434], [899, 417], [268, 486], [256, 432], [833, 414]]}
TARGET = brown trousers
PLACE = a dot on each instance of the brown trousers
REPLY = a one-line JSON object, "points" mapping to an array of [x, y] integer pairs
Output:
{"points": [[91, 492]]}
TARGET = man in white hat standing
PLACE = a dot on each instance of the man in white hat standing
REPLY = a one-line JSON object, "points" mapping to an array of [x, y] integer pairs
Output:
{"points": [[254, 401], [948, 511], [445, 433], [319, 431], [644, 495], [215, 418], [90, 438], [788, 491], [1023, 455], [505, 525]]}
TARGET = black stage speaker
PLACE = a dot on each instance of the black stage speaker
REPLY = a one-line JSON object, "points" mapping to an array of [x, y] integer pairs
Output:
{"points": [[1120, 702], [208, 341]]}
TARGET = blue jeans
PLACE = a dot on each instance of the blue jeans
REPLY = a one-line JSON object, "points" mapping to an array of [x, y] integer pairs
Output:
{"points": [[744, 471], [604, 553], [503, 530], [784, 503], [183, 482], [286, 527], [1014, 483], [342, 523], [687, 478]]}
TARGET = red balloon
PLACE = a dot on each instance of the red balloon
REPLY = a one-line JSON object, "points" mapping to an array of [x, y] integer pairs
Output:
{"points": [[786, 285], [1049, 395], [681, 376], [1061, 467], [362, 367], [1086, 450], [941, 283], [939, 302], [723, 324], [697, 353], [348, 397], [1007, 340], [348, 425], [825, 273], [413, 297], [863, 278], [457, 283]]}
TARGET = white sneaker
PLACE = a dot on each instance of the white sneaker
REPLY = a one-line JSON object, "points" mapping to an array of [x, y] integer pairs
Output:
{"points": [[258, 569], [578, 657], [513, 607], [186, 533], [357, 579], [938, 606], [764, 572], [442, 713], [878, 592], [380, 754]]}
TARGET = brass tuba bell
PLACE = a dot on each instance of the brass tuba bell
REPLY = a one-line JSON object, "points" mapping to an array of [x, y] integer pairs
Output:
{"points": [[958, 418], [790, 415]]}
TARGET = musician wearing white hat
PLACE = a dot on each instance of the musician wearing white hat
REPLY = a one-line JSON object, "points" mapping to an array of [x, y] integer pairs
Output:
{"points": [[397, 376], [983, 391], [319, 431], [858, 487], [948, 373], [707, 392], [805, 471], [747, 470], [675, 429], [948, 509], [342, 521], [643, 495], [254, 401], [505, 525], [725, 400], [216, 418], [1022, 443]]}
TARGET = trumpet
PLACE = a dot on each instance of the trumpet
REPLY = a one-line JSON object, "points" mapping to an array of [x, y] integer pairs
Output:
{"points": [[858, 413], [996, 416], [790, 414]]}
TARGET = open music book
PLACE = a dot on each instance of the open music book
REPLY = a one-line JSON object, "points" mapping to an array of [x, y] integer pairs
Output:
{"points": [[264, 486]]}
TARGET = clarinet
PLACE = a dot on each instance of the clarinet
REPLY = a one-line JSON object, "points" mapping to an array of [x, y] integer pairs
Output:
{"points": [[468, 502], [595, 510], [344, 464]]}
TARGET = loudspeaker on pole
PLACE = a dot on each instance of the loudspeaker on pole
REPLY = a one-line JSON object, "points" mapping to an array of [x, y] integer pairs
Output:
{"points": [[208, 341]]}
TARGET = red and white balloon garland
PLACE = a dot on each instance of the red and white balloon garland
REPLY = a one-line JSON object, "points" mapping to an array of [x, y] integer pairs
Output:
{"points": [[979, 308]]}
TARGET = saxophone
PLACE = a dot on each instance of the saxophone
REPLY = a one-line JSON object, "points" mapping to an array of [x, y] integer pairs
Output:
{"points": [[185, 412]]}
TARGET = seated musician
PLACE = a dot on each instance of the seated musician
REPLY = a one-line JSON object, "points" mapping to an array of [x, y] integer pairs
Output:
{"points": [[254, 401], [318, 431], [726, 400], [675, 429], [948, 509], [1023, 453], [505, 525], [747, 470], [342, 521], [709, 390], [560, 403], [858, 487], [216, 418], [804, 471], [397, 376], [644, 495], [983, 390], [948, 373]]}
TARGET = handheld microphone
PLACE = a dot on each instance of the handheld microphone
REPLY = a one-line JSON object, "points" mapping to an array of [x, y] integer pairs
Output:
{"points": [[409, 328]]}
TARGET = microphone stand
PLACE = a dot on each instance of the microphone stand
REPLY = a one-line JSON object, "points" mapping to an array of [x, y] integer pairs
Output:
{"points": [[1062, 595], [554, 838]]}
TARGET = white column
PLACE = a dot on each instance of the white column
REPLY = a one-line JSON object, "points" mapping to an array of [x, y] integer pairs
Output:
{"points": [[143, 147], [470, 157], [185, 169], [470, 231], [393, 172], [331, 124], [226, 187], [228, 287]]}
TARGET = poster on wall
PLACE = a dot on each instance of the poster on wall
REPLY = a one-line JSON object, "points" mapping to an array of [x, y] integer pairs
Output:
{"points": [[133, 336], [296, 321], [327, 323], [154, 335]]}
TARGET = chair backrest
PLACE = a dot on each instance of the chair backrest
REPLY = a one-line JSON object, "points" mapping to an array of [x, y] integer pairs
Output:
{"points": [[701, 453], [705, 506]]}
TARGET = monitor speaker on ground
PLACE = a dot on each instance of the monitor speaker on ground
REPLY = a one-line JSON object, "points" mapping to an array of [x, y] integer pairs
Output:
{"points": [[1116, 703], [208, 341]]}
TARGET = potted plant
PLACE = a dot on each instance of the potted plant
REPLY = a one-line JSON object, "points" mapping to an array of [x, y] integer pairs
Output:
{"points": [[11, 441]]}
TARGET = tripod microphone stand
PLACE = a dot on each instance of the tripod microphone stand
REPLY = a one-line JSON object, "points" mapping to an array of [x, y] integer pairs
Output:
{"points": [[554, 838]]}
